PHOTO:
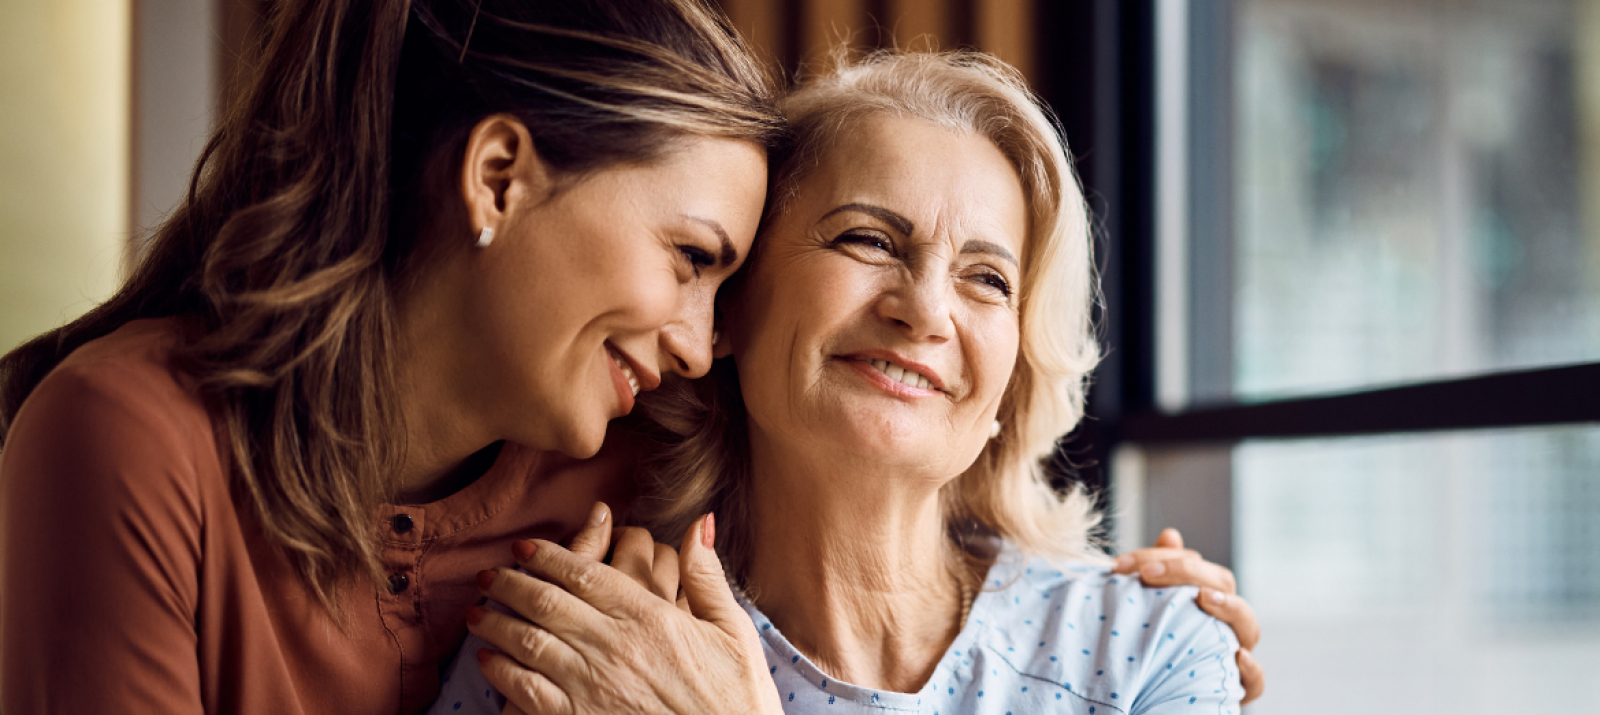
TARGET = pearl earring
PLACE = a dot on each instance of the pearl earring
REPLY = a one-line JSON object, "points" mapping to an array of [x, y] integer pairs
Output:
{"points": [[485, 237], [994, 429]]}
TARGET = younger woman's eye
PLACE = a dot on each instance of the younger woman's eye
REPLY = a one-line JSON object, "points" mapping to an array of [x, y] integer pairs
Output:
{"points": [[698, 258]]}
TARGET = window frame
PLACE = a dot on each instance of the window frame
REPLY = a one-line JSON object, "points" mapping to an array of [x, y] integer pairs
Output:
{"points": [[1098, 62]]}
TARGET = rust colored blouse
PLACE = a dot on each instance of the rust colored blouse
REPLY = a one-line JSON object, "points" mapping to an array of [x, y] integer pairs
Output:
{"points": [[135, 583]]}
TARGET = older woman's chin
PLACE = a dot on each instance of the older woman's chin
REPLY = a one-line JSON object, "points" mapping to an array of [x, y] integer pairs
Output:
{"points": [[910, 448]]}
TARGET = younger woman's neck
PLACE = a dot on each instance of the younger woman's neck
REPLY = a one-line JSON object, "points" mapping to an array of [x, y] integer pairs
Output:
{"points": [[436, 388], [854, 569]]}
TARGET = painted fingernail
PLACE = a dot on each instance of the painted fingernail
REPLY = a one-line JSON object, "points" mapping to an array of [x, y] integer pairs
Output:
{"points": [[598, 514], [1218, 597], [485, 579], [1153, 570], [484, 656], [1123, 562], [524, 550], [708, 533], [475, 615]]}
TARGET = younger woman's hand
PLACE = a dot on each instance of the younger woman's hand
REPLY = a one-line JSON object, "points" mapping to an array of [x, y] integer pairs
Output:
{"points": [[594, 640], [1169, 564]]}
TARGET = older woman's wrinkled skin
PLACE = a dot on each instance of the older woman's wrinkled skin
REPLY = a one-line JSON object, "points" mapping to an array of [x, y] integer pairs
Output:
{"points": [[905, 246]]}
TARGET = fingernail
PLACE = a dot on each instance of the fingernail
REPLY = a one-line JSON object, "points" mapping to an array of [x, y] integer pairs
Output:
{"points": [[484, 656], [1153, 570], [485, 579], [475, 615], [598, 514], [524, 550], [1217, 597], [1244, 654], [708, 532], [1122, 564]]}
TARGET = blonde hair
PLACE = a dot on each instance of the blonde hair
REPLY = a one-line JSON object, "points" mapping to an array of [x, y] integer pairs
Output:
{"points": [[702, 464]]}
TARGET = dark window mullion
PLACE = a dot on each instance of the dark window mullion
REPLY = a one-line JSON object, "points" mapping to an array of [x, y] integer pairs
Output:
{"points": [[1547, 396]]}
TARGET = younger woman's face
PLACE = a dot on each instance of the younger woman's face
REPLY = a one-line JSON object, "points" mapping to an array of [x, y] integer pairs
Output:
{"points": [[592, 289]]}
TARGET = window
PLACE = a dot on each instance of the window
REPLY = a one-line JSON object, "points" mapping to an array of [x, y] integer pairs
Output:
{"points": [[1352, 265]]}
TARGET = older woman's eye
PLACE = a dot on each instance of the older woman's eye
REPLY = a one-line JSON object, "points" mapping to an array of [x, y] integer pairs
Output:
{"points": [[698, 258], [867, 240], [995, 281]]}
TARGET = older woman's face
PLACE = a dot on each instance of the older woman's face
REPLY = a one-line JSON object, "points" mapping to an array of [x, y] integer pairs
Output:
{"points": [[881, 320]]}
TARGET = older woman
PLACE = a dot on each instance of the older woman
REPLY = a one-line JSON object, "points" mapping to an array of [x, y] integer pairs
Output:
{"points": [[913, 337]]}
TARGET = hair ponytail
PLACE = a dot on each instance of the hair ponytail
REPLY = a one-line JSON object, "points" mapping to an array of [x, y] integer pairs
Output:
{"points": [[283, 255]]}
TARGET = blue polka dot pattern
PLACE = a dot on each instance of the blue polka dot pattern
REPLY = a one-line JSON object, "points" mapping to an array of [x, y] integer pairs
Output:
{"points": [[1076, 648]]}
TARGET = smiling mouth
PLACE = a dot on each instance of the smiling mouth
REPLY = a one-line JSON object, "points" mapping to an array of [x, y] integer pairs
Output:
{"points": [[627, 370], [900, 374]]}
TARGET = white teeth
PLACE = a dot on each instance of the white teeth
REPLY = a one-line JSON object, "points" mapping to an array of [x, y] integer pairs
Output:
{"points": [[901, 375], [627, 371]]}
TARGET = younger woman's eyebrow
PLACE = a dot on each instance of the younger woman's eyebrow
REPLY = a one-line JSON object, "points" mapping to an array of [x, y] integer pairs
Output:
{"points": [[898, 222], [729, 254]]}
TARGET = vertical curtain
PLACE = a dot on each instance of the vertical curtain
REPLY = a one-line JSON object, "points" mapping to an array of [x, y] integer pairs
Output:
{"points": [[798, 33]]}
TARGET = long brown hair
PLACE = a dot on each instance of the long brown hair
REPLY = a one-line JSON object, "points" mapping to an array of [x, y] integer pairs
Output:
{"points": [[302, 219]]}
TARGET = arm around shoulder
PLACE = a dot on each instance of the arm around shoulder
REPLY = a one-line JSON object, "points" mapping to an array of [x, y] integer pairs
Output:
{"points": [[101, 521], [1194, 663]]}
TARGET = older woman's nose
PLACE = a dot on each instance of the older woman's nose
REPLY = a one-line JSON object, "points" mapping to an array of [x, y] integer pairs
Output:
{"points": [[920, 307], [686, 342]]}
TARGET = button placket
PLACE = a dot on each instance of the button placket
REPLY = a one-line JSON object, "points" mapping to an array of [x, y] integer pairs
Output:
{"points": [[402, 541]]}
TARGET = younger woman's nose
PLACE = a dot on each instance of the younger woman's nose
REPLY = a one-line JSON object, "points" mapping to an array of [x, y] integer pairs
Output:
{"points": [[686, 341]]}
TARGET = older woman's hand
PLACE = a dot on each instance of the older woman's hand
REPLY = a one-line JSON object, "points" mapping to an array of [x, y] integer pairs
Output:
{"points": [[597, 641], [1169, 564], [637, 555]]}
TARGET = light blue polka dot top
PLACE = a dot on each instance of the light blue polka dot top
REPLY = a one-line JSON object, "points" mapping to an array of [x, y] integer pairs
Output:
{"points": [[1046, 640], [1039, 639]]}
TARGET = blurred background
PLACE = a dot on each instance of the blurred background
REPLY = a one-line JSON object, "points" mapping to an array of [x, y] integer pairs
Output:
{"points": [[1351, 253]]}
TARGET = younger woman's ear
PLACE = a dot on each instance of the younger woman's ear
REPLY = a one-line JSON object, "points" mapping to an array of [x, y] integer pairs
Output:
{"points": [[499, 170]]}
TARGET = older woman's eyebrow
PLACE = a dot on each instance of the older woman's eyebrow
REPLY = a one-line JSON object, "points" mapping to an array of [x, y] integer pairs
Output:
{"points": [[977, 246], [898, 222], [729, 254]]}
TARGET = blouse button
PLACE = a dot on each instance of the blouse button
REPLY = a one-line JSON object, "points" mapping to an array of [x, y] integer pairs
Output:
{"points": [[403, 524], [398, 583]]}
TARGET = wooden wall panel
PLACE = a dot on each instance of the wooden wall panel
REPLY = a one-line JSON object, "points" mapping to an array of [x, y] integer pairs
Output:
{"points": [[796, 31], [826, 24], [914, 23], [763, 24], [1005, 28]]}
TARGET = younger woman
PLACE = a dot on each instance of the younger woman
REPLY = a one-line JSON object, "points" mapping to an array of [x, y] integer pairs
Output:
{"points": [[433, 247]]}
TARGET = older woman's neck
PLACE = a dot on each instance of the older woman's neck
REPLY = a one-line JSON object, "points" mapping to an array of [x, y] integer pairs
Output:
{"points": [[854, 568]]}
